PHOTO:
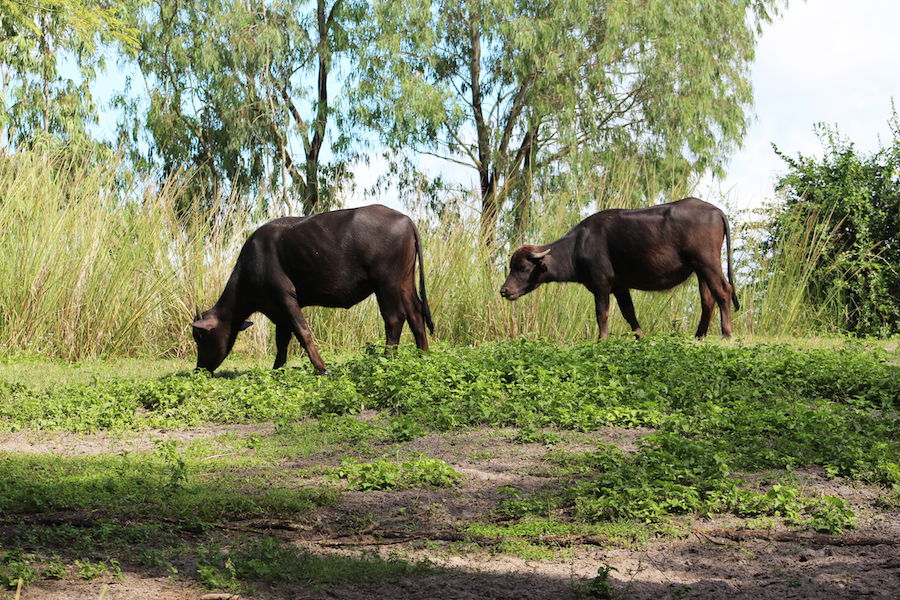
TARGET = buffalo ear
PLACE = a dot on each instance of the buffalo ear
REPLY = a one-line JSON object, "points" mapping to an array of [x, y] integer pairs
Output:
{"points": [[245, 325], [208, 323]]}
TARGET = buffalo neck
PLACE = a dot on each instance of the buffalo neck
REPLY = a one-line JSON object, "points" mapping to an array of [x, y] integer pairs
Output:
{"points": [[232, 308], [560, 263]]}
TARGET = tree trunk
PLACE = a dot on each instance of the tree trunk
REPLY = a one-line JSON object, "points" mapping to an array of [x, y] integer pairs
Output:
{"points": [[490, 208], [527, 189]]}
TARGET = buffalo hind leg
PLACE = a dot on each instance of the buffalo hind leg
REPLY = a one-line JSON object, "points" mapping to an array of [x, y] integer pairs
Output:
{"points": [[394, 315], [304, 335], [724, 301], [714, 289], [623, 298], [283, 335], [707, 302], [414, 317]]}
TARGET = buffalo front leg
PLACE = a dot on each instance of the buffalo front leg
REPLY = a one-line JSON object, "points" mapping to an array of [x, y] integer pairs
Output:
{"points": [[601, 303], [623, 297]]}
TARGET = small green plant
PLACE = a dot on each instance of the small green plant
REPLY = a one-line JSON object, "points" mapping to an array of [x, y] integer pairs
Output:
{"points": [[430, 473], [404, 429], [212, 578], [54, 569], [529, 434], [383, 475], [368, 477], [174, 462], [88, 571], [600, 587], [830, 515], [14, 571]]}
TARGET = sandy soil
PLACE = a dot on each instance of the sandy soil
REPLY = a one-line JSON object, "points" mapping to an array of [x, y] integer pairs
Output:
{"points": [[715, 559]]}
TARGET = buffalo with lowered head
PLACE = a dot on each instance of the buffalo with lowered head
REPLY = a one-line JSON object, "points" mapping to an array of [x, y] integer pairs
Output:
{"points": [[650, 249], [333, 259]]}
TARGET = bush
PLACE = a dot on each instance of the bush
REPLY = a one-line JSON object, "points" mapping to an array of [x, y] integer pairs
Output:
{"points": [[854, 200]]}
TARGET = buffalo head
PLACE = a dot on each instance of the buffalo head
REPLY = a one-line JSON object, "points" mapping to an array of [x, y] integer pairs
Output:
{"points": [[214, 339], [526, 272]]}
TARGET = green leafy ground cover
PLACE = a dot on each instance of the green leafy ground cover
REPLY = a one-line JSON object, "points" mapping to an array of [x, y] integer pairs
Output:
{"points": [[714, 416]]}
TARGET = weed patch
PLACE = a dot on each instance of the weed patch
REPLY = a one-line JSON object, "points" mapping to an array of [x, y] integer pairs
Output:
{"points": [[383, 475]]}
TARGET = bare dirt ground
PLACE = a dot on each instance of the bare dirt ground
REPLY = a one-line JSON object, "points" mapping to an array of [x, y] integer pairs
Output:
{"points": [[714, 559]]}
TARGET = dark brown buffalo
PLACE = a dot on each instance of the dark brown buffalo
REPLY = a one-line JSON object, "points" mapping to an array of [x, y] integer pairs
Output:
{"points": [[334, 259], [644, 249]]}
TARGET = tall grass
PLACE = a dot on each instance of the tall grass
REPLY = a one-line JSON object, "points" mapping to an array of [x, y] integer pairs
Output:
{"points": [[89, 270], [775, 298]]}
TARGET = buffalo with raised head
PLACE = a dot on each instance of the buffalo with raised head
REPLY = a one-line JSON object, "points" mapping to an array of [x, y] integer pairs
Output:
{"points": [[651, 249], [334, 259]]}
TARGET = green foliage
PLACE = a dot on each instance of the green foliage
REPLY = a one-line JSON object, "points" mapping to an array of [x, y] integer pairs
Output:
{"points": [[669, 475], [718, 410], [831, 515], [854, 200], [720, 413], [229, 100], [504, 87], [40, 108], [174, 462], [88, 570]]}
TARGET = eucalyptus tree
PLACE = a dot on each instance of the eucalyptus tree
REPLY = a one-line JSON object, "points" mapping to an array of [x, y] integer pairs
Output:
{"points": [[234, 88], [513, 88]]}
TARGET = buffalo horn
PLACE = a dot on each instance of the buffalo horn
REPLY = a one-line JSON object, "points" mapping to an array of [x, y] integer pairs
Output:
{"points": [[540, 255]]}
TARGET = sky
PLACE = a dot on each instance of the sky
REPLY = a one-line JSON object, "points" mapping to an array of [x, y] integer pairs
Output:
{"points": [[825, 61]]}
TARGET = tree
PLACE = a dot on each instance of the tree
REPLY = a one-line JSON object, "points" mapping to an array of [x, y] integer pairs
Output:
{"points": [[513, 88], [856, 198], [40, 106], [229, 95]]}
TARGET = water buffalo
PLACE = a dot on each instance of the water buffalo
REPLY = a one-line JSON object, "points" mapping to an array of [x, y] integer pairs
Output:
{"points": [[645, 249], [334, 259]]}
